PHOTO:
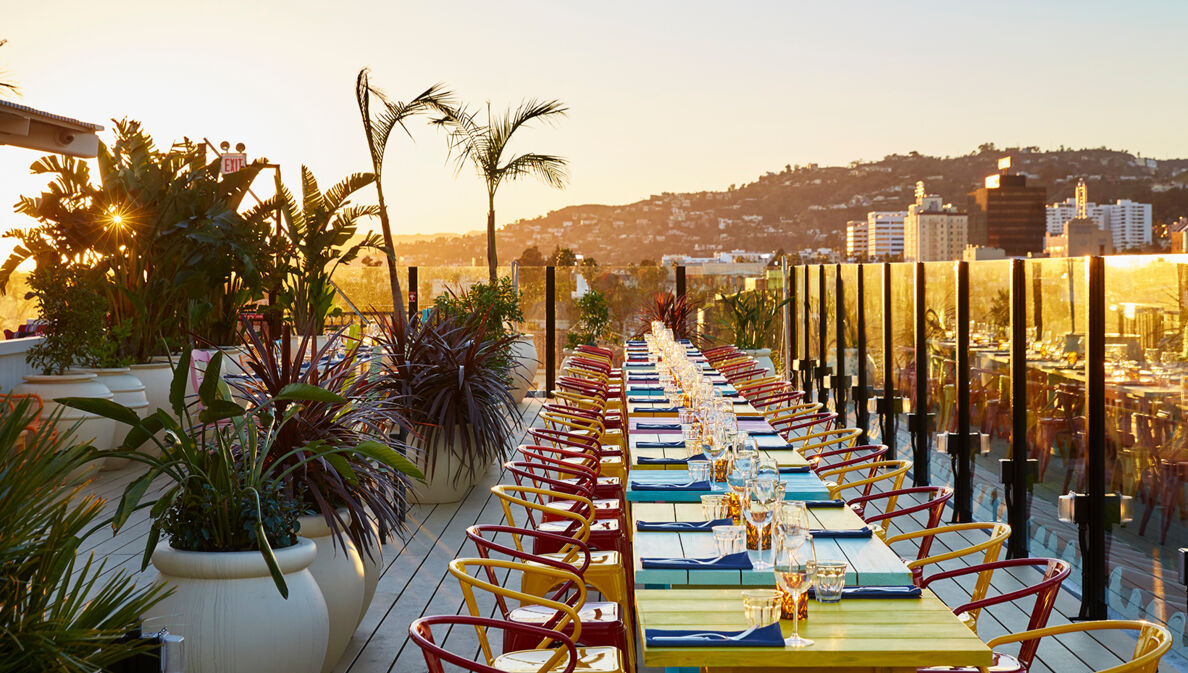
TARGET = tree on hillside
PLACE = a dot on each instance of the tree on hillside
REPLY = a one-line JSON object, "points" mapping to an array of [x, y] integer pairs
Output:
{"points": [[484, 144], [564, 257], [532, 257]]}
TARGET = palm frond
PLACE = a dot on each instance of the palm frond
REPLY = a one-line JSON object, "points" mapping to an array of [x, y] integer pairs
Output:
{"points": [[337, 196], [503, 128], [552, 170], [311, 196]]}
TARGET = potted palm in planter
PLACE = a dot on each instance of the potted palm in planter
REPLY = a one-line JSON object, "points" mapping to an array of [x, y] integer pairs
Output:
{"points": [[239, 572], [73, 312], [452, 385], [752, 319]]}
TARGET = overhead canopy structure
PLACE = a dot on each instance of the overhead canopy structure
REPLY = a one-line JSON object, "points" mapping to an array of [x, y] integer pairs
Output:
{"points": [[23, 126]]}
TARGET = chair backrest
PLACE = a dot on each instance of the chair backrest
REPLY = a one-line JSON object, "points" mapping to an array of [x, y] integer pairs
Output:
{"points": [[806, 424], [1054, 572], [566, 615], [990, 548], [421, 633], [892, 471], [1154, 640], [819, 441], [528, 501], [935, 506], [581, 441], [552, 455], [850, 455], [575, 553], [566, 479]]}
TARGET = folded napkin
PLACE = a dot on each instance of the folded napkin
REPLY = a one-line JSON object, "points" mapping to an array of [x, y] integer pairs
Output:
{"points": [[657, 426], [645, 365], [795, 469], [670, 486], [632, 388], [739, 561], [762, 433], [660, 445], [824, 503], [877, 592], [646, 399], [643, 460], [859, 532], [657, 410], [680, 526], [632, 380], [763, 636]]}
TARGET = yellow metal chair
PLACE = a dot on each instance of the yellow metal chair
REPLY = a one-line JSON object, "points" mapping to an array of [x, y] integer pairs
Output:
{"points": [[818, 442], [1154, 641], [990, 548], [893, 472], [598, 659]]}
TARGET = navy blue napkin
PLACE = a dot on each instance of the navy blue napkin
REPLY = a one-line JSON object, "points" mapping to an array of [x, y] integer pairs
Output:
{"points": [[632, 380], [824, 503], [762, 433], [647, 399], [680, 526], [675, 444], [670, 486], [658, 410], [739, 561], [763, 636], [859, 532], [634, 387], [645, 365], [877, 592], [795, 469], [658, 426], [644, 460]]}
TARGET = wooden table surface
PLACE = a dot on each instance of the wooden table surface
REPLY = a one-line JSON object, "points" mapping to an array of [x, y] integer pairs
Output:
{"points": [[867, 635], [871, 562]]}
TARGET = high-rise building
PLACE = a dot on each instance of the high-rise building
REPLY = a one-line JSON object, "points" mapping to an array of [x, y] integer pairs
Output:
{"points": [[933, 231], [1128, 222], [1008, 214], [884, 234], [856, 240]]}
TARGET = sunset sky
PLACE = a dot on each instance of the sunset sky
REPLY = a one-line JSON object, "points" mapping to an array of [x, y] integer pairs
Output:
{"points": [[664, 96]]}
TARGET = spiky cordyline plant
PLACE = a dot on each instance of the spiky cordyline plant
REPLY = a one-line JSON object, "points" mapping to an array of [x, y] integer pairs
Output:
{"points": [[670, 309], [453, 385], [484, 145], [55, 614], [377, 128], [367, 489]]}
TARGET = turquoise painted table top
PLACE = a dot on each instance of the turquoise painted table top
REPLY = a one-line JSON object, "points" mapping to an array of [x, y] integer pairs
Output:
{"points": [[871, 562], [805, 486]]}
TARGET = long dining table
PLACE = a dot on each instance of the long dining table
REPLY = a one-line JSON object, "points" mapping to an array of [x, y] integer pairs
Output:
{"points": [[865, 635]]}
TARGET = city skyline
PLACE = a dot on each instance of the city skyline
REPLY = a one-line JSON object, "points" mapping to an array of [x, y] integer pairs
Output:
{"points": [[664, 97]]}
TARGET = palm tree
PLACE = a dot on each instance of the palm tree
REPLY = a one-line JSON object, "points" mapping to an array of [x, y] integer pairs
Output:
{"points": [[320, 235], [485, 144], [377, 128], [7, 87]]}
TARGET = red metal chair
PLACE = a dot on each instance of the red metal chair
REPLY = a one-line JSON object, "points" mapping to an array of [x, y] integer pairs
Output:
{"points": [[800, 426], [848, 456], [935, 506], [571, 479], [421, 632], [604, 487]]}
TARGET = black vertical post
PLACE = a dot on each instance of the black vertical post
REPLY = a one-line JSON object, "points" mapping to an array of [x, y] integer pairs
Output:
{"points": [[550, 328], [807, 361], [840, 384], [919, 417], [963, 478], [1017, 501], [1093, 579], [1037, 299], [890, 412], [790, 321], [680, 294], [861, 391], [822, 337], [412, 293]]}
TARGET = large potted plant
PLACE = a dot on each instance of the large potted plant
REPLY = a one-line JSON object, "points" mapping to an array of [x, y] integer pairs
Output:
{"points": [[752, 318], [499, 302], [239, 572], [452, 384], [592, 326], [73, 313], [672, 310]]}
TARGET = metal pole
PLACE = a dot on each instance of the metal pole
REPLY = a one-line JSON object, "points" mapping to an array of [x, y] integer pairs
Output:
{"points": [[1017, 501], [889, 411], [550, 328], [822, 337], [919, 417], [839, 381], [807, 384], [1037, 300], [1094, 603], [861, 392], [412, 293], [680, 294], [789, 318], [963, 507]]}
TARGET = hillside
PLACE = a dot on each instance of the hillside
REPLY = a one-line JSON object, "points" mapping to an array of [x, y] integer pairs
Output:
{"points": [[808, 206]]}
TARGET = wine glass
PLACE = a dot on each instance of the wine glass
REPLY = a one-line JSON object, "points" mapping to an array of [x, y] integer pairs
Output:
{"points": [[742, 470], [714, 448], [792, 522], [761, 498], [793, 576]]}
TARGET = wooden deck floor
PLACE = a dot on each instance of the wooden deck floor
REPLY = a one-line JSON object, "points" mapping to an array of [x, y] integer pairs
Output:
{"points": [[415, 583]]}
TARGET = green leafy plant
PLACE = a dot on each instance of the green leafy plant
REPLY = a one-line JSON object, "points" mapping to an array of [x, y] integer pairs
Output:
{"points": [[593, 322], [752, 318], [453, 385], [483, 145], [319, 238], [73, 311], [222, 463], [675, 312], [496, 306], [58, 611]]}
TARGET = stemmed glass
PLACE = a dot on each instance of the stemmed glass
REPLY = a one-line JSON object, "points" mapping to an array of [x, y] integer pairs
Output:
{"points": [[740, 474], [793, 576], [791, 523], [761, 498], [714, 449]]}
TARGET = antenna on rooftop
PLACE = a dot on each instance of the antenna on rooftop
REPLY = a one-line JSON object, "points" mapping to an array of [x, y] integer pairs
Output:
{"points": [[1082, 200]]}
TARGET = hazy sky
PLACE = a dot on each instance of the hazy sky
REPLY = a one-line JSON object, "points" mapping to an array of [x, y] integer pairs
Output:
{"points": [[664, 96]]}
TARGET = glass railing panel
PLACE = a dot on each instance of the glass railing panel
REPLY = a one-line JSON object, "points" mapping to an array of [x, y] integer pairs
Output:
{"points": [[903, 351], [989, 382], [940, 325]]}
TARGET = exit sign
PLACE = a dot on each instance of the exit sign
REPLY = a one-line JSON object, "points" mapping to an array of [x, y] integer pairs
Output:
{"points": [[232, 162]]}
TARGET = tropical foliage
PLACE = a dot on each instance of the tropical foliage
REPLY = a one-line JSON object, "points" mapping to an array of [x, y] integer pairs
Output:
{"points": [[58, 612], [486, 146], [593, 322], [752, 318], [70, 301], [672, 310], [378, 124]]}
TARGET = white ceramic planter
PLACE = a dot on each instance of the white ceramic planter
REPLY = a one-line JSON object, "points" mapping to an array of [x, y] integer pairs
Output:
{"points": [[523, 372], [340, 576], [127, 390], [233, 617], [156, 378], [445, 480], [762, 357], [89, 428], [373, 567]]}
